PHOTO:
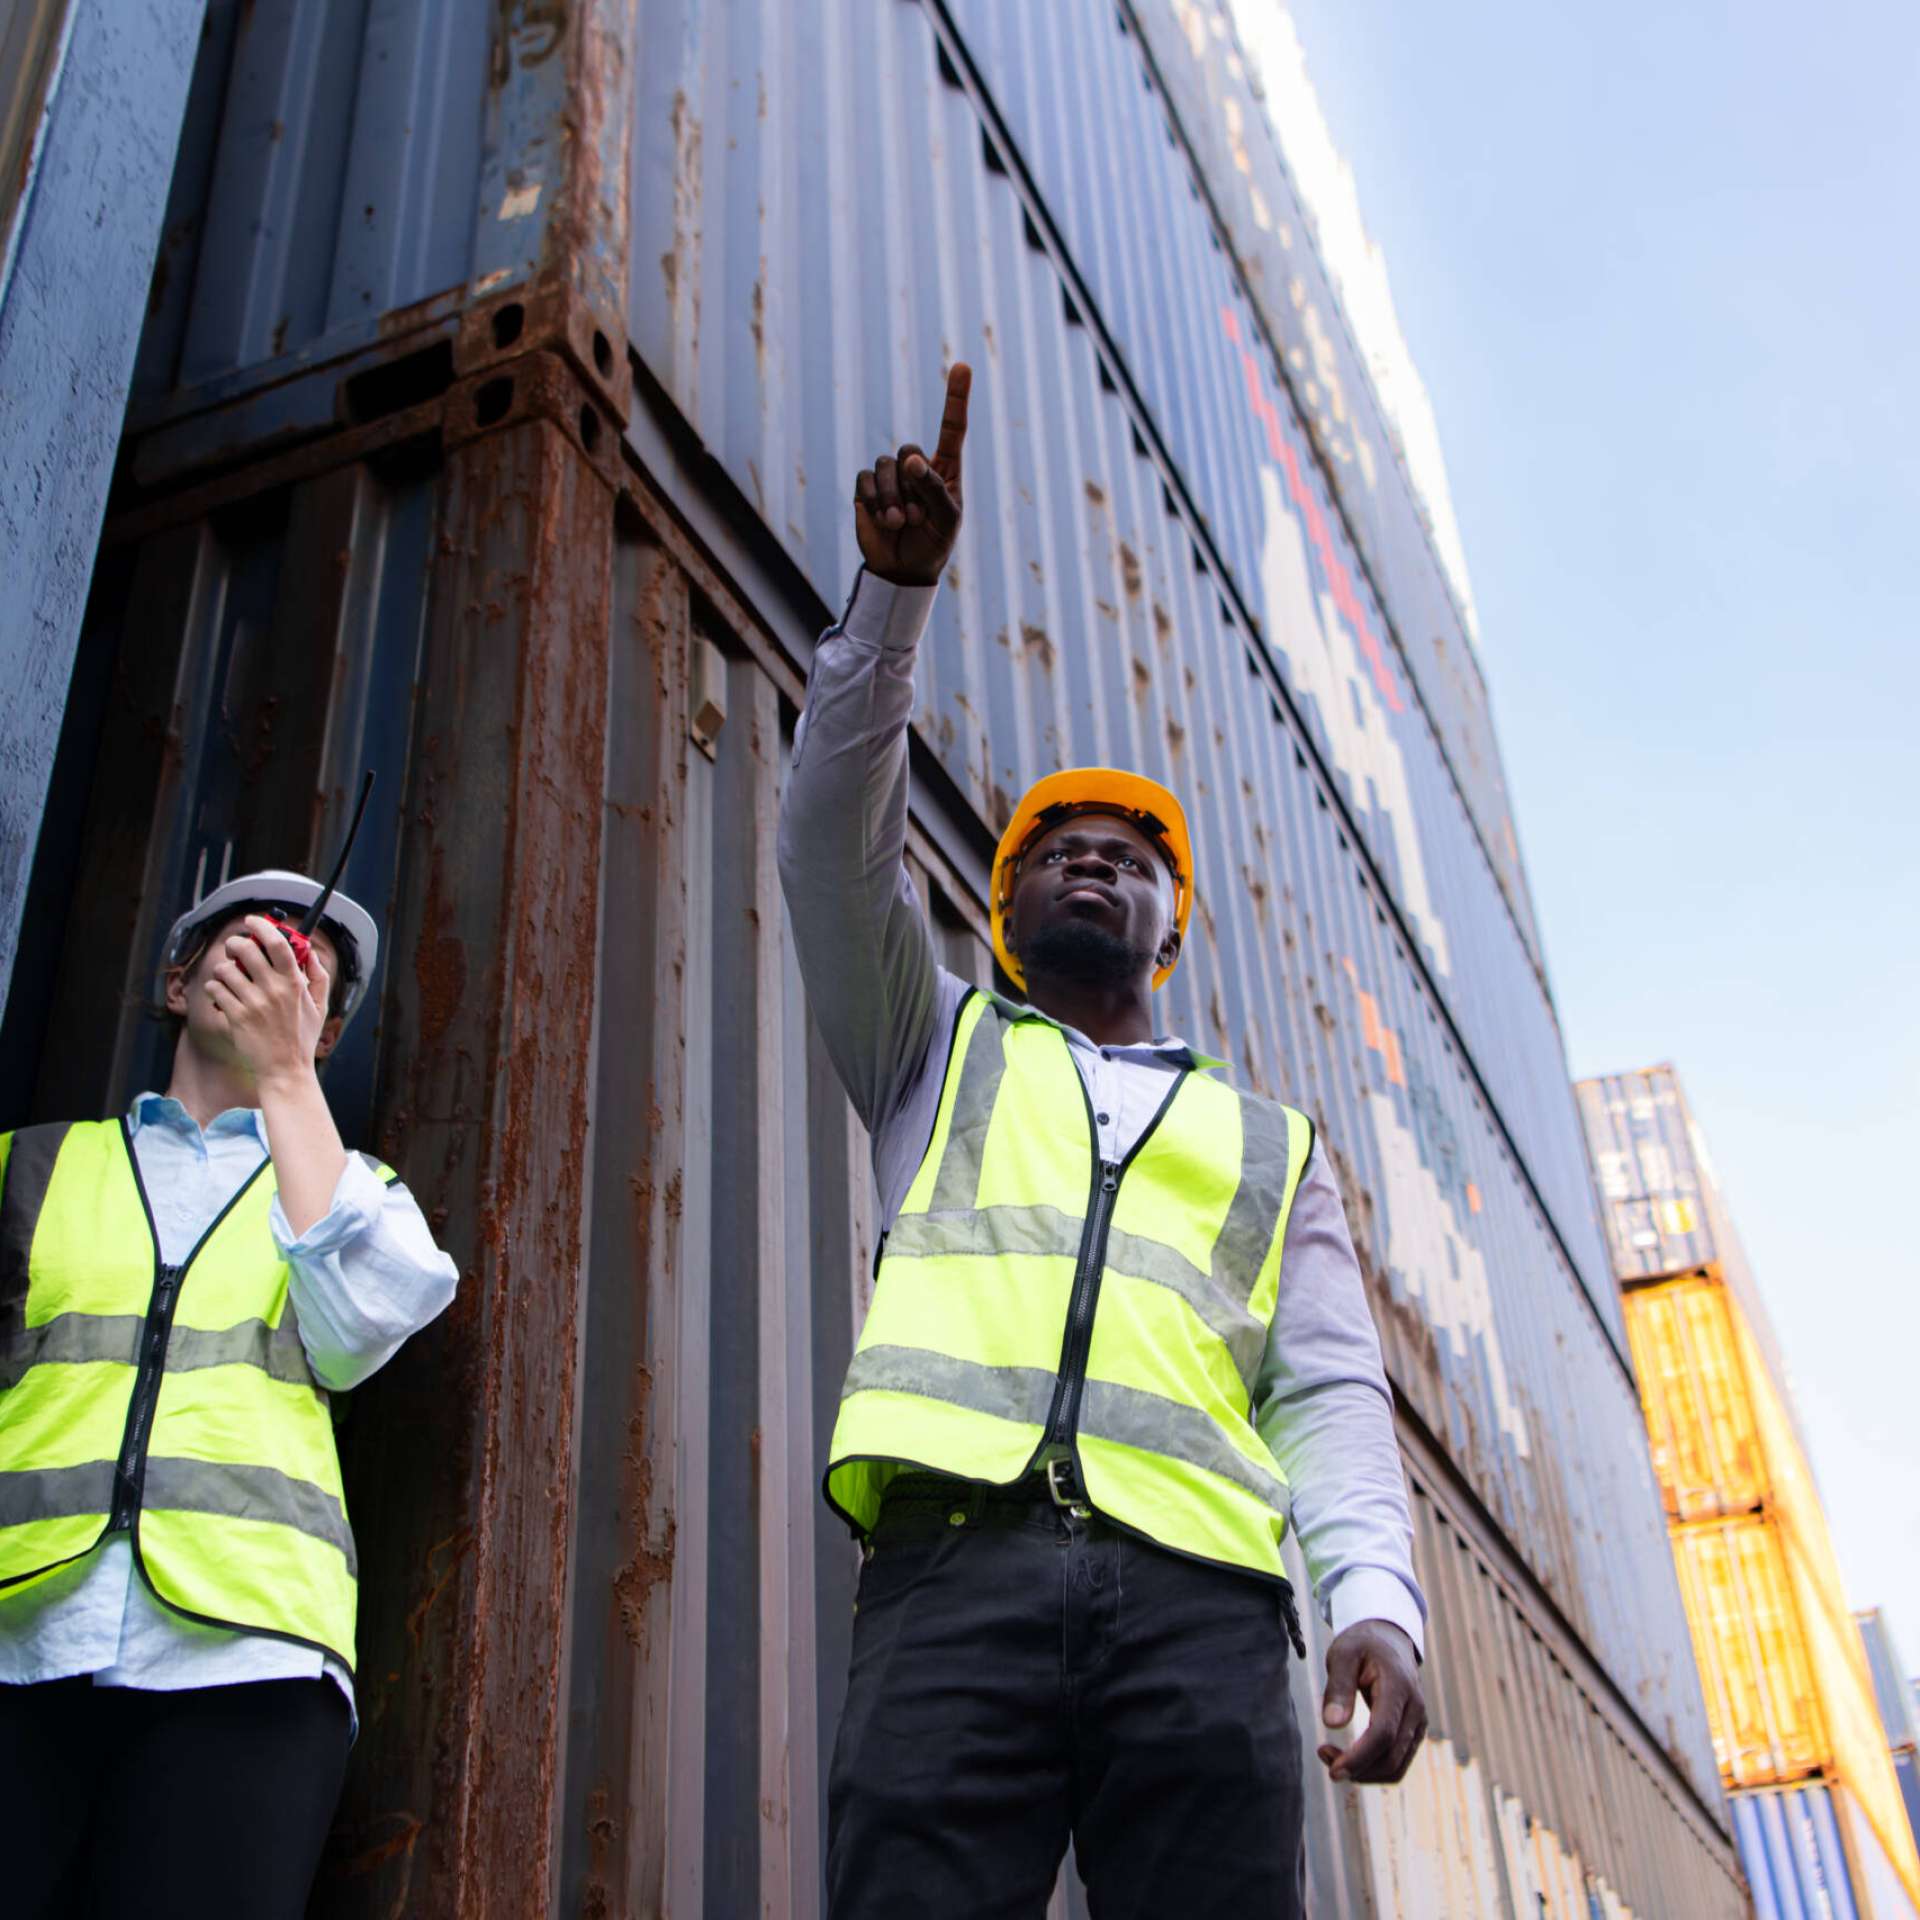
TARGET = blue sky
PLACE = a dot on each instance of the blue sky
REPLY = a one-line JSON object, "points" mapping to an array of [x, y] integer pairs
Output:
{"points": [[1658, 268]]}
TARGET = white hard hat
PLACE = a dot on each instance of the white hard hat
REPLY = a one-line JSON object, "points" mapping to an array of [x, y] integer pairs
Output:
{"points": [[295, 892]]}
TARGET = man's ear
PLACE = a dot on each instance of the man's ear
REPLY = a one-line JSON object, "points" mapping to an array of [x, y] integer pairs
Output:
{"points": [[174, 991], [329, 1037], [1169, 949]]}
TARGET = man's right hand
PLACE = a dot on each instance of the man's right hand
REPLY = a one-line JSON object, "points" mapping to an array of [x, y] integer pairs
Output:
{"points": [[906, 508]]}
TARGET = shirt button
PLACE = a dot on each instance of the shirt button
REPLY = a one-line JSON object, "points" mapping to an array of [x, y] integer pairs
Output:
{"points": [[1101, 1118]]}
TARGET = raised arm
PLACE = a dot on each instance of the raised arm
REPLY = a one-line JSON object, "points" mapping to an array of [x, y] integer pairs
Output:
{"points": [[864, 948]]}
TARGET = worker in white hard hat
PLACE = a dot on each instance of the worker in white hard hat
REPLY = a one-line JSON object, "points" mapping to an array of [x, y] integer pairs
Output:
{"points": [[182, 1292], [1118, 1346]]}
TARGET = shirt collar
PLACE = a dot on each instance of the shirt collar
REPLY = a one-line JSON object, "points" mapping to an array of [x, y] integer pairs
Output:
{"points": [[162, 1110], [1165, 1046]]}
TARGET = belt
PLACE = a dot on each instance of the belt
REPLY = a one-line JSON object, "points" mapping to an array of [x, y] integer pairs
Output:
{"points": [[1057, 1484]]}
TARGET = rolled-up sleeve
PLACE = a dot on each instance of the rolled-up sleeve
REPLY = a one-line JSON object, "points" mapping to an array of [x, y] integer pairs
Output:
{"points": [[1323, 1406], [364, 1277]]}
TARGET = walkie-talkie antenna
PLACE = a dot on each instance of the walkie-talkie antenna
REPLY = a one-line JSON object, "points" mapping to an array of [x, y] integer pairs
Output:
{"points": [[311, 918]]}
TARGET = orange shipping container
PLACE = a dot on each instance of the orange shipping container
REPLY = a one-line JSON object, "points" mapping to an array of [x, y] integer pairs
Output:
{"points": [[1789, 1696], [1693, 1389], [1754, 1665]]}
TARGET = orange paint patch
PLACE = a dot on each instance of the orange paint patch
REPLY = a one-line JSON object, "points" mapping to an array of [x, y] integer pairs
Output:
{"points": [[1370, 1021], [1390, 1046]]}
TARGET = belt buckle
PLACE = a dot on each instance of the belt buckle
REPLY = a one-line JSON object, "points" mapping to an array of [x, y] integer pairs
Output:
{"points": [[1072, 1497]]}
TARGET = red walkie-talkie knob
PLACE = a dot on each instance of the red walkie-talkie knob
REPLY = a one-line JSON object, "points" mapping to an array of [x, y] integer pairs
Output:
{"points": [[297, 940]]}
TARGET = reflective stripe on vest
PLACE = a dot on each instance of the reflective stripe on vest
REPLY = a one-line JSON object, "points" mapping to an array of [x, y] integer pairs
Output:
{"points": [[959, 1365], [220, 1455]]}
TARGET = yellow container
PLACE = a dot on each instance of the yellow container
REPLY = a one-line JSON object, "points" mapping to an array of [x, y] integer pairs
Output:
{"points": [[1788, 1690], [1761, 1699], [1693, 1390]]}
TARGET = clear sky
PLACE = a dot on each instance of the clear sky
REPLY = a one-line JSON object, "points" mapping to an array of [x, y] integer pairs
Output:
{"points": [[1660, 270]]}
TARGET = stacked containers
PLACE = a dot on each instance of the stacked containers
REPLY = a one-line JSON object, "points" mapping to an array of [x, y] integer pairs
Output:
{"points": [[503, 375], [1894, 1693], [1788, 1689]]}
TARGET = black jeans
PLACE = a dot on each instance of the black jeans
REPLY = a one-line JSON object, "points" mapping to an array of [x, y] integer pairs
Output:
{"points": [[1021, 1675], [196, 1805]]}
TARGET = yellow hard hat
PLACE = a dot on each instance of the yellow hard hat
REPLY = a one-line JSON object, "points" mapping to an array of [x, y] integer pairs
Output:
{"points": [[1091, 790]]}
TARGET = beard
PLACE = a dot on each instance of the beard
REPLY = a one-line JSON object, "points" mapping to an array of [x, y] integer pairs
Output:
{"points": [[1088, 955]]}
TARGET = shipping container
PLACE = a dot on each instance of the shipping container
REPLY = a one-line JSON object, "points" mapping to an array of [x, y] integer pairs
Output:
{"points": [[1795, 1859], [503, 383], [1661, 1206], [1893, 1694], [1700, 1418], [91, 98], [1892, 1687], [1109, 619], [1789, 1689], [1753, 1649]]}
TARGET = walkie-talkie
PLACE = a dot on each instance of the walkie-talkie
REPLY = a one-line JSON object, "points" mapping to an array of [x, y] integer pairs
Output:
{"points": [[298, 936]]}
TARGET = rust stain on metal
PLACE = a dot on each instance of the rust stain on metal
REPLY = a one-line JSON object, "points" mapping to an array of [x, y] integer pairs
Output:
{"points": [[1034, 642], [1132, 578], [439, 963], [686, 207], [534, 28], [456, 1547], [652, 1559], [1096, 493], [602, 1831], [399, 1845]]}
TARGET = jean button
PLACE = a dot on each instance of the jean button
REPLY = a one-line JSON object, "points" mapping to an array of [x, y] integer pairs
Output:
{"points": [[957, 1518]]}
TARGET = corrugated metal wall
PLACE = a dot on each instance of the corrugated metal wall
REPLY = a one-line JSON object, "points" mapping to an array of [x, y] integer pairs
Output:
{"points": [[91, 96], [1796, 1862], [369, 512]]}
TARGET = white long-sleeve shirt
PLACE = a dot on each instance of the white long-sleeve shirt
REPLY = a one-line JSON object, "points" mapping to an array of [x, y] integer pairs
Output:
{"points": [[1320, 1399], [362, 1278]]}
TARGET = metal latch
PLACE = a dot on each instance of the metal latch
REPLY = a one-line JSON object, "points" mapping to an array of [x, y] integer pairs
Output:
{"points": [[1064, 1484], [707, 705]]}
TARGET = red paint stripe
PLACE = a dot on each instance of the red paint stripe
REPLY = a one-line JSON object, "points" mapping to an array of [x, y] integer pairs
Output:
{"points": [[1346, 600]]}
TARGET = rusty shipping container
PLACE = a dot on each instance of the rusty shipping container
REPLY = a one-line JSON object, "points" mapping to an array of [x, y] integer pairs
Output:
{"points": [[1789, 1686], [502, 383]]}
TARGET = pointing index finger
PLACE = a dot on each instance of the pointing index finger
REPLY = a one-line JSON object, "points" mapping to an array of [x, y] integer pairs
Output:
{"points": [[953, 424]]}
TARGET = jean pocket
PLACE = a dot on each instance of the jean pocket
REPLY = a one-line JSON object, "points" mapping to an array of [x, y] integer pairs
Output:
{"points": [[902, 1551]]}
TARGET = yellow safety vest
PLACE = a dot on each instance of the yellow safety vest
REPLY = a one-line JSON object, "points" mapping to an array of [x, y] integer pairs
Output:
{"points": [[173, 1402], [1030, 1296]]}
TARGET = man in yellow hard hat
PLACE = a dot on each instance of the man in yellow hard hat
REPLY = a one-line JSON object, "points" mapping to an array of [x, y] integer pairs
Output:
{"points": [[1118, 1344]]}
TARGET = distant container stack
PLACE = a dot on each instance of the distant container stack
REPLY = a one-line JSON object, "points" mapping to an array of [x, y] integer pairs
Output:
{"points": [[1825, 1825], [1899, 1703]]}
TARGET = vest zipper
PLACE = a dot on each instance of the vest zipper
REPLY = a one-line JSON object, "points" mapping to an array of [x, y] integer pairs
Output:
{"points": [[130, 1469], [146, 1395], [1063, 1418]]}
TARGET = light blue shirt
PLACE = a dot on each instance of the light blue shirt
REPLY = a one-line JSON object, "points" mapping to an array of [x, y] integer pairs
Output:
{"points": [[362, 1278]]}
